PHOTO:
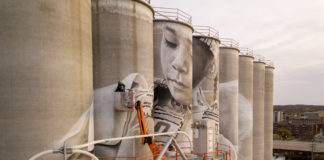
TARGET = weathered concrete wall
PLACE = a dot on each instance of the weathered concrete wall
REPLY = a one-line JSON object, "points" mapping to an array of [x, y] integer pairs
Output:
{"points": [[122, 40], [173, 77], [245, 107], [205, 84], [46, 74], [229, 74], [258, 110], [122, 45], [268, 113]]}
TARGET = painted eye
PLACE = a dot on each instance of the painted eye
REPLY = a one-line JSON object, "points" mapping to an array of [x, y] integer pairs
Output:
{"points": [[171, 44]]}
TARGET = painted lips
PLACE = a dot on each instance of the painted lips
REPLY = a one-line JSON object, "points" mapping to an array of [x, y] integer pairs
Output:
{"points": [[177, 84]]}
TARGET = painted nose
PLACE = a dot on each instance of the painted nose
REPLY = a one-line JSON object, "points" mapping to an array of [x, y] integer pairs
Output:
{"points": [[180, 62]]}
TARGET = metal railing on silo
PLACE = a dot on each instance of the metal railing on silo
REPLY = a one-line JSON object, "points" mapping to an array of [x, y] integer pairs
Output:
{"points": [[206, 31], [246, 51], [147, 1], [269, 63], [172, 14], [259, 58], [228, 42]]}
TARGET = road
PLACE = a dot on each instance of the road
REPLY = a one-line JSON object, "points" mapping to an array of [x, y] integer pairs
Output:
{"points": [[298, 146]]}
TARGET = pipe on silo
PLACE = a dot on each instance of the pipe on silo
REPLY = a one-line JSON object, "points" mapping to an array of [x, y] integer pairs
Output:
{"points": [[46, 74], [268, 112], [258, 108], [122, 51], [245, 106], [228, 92]]}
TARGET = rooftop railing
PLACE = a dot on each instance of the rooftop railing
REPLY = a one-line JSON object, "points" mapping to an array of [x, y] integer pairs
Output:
{"points": [[147, 1], [206, 31], [246, 52], [172, 14], [259, 58], [228, 42], [269, 63]]}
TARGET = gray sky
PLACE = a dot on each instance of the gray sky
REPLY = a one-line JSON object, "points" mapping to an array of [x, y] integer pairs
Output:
{"points": [[288, 32]]}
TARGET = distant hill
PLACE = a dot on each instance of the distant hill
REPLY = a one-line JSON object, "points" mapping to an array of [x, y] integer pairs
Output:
{"points": [[298, 108]]}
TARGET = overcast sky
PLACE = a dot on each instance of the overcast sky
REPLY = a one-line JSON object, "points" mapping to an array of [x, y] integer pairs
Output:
{"points": [[289, 32]]}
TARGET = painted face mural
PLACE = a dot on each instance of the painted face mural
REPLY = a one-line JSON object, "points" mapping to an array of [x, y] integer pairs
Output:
{"points": [[205, 76], [173, 78], [176, 61]]}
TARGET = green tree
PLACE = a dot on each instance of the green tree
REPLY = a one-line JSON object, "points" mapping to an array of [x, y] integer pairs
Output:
{"points": [[283, 133]]}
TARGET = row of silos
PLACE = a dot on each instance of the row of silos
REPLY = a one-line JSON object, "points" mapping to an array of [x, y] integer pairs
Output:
{"points": [[246, 95], [52, 89]]}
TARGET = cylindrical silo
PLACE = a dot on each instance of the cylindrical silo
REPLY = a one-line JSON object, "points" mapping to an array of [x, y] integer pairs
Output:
{"points": [[172, 73], [122, 49], [205, 86], [228, 91], [46, 74], [268, 111], [245, 104], [258, 107]]}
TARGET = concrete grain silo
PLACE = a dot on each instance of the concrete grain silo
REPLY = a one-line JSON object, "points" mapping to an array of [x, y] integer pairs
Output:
{"points": [[46, 74], [206, 86], [228, 92], [172, 72], [258, 107], [268, 111], [122, 48], [245, 104]]}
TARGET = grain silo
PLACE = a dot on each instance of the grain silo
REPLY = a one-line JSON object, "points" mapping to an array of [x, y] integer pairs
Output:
{"points": [[268, 111], [205, 86], [258, 107], [245, 104], [228, 91], [172, 72], [46, 74], [122, 48]]}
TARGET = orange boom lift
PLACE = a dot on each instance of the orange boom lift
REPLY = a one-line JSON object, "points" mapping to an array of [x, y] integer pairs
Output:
{"points": [[148, 140]]}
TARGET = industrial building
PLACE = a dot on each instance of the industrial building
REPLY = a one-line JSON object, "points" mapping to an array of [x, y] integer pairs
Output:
{"points": [[99, 79]]}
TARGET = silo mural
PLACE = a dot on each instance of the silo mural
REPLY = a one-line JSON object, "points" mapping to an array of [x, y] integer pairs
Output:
{"points": [[172, 75], [245, 104], [258, 107], [205, 87], [228, 92], [123, 54]]}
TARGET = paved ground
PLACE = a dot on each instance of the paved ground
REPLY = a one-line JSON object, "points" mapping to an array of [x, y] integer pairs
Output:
{"points": [[298, 146]]}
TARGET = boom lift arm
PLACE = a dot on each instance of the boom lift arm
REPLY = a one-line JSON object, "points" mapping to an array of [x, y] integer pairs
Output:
{"points": [[141, 120]]}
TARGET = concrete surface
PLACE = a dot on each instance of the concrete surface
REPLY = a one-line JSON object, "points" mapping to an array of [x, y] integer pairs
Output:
{"points": [[268, 113], [122, 40], [245, 107], [122, 44], [229, 74], [46, 74], [258, 110]]}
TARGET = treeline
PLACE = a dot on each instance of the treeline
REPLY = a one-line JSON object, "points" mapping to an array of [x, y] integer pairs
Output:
{"points": [[298, 108]]}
